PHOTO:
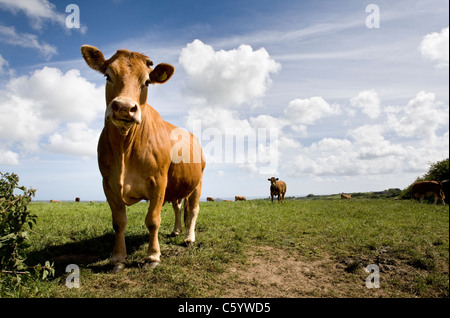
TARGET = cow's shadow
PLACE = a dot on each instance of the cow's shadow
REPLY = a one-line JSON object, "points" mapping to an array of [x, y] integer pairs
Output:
{"points": [[93, 253]]}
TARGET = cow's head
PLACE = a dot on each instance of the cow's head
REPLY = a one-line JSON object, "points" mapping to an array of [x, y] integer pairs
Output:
{"points": [[273, 180], [128, 75]]}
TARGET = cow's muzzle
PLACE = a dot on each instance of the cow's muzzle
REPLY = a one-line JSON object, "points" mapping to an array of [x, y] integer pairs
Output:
{"points": [[123, 111]]}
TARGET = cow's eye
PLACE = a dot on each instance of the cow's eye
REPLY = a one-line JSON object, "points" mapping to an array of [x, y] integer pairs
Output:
{"points": [[108, 78], [147, 82]]}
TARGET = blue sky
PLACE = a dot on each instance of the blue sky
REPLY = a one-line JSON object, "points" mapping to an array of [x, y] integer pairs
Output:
{"points": [[352, 108]]}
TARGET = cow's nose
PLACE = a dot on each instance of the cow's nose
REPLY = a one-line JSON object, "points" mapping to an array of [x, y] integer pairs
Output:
{"points": [[126, 109]]}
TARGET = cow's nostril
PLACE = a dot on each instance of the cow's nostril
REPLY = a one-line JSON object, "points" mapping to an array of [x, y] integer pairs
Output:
{"points": [[133, 109], [115, 107]]}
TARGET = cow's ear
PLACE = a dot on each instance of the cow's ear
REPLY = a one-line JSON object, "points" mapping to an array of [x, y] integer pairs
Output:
{"points": [[269, 179], [276, 179], [161, 73], [94, 58]]}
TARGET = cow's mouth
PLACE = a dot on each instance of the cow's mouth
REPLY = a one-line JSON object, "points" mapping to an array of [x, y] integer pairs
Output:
{"points": [[128, 121], [124, 122]]}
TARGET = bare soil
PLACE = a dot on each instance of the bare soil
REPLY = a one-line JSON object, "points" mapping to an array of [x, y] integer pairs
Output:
{"points": [[277, 273]]}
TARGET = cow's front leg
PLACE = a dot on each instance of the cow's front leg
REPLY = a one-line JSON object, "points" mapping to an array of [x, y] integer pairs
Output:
{"points": [[153, 221], [119, 220]]}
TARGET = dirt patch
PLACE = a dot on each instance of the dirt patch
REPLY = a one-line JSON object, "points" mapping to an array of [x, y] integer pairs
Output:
{"points": [[279, 273]]}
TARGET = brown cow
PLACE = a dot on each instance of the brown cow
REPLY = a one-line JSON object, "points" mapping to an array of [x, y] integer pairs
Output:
{"points": [[239, 198], [77, 199], [141, 156], [345, 196], [210, 199], [423, 189], [277, 188]]}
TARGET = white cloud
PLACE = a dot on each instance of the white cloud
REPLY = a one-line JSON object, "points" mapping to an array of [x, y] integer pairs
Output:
{"points": [[222, 119], [420, 118], [309, 110], [3, 64], [8, 158], [36, 10], [435, 47], [379, 149], [371, 144], [60, 96], [21, 121], [267, 121], [26, 40], [368, 102], [34, 107], [226, 78], [77, 140]]}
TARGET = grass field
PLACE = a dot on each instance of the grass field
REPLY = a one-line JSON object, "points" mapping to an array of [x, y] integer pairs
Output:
{"points": [[302, 248]]}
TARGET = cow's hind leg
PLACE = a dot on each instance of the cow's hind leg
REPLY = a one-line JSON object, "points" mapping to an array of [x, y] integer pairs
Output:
{"points": [[191, 209], [177, 210]]}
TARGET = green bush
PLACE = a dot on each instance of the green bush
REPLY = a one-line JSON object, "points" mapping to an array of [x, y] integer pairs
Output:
{"points": [[15, 222]]}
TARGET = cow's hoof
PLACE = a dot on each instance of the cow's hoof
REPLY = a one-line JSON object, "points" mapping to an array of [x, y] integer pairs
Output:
{"points": [[119, 267], [173, 234], [151, 265], [188, 243]]}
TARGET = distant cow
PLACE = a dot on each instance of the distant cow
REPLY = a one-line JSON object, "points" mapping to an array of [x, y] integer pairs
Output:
{"points": [[239, 198], [210, 199], [423, 189], [278, 188], [77, 200], [345, 196], [53, 201], [140, 155]]}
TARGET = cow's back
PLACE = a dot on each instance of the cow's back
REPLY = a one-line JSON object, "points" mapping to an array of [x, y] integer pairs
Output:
{"points": [[282, 186], [423, 187]]}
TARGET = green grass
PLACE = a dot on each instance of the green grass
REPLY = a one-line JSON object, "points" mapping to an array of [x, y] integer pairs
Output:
{"points": [[410, 242]]}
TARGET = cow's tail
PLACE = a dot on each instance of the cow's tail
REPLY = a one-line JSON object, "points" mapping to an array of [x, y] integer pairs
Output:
{"points": [[185, 208]]}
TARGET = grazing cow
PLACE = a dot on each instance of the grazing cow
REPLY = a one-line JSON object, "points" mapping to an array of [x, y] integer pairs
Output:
{"points": [[227, 200], [210, 199], [53, 201], [345, 196], [239, 198], [141, 156], [278, 188], [77, 199], [423, 189]]}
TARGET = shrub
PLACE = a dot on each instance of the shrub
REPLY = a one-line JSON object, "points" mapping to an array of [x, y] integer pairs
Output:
{"points": [[15, 222]]}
